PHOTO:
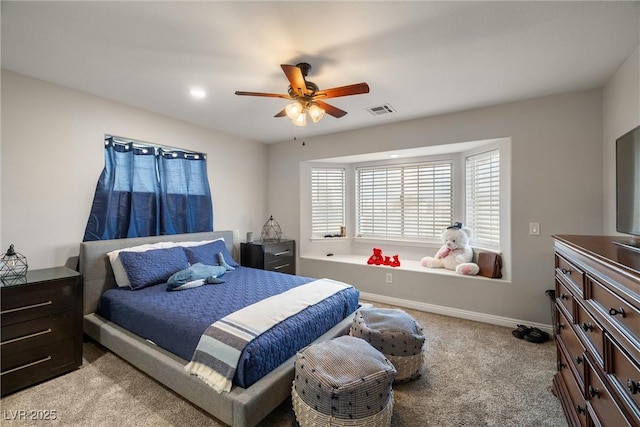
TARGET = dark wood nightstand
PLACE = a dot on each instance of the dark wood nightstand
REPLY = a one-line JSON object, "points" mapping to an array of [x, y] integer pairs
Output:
{"points": [[274, 256], [41, 322]]}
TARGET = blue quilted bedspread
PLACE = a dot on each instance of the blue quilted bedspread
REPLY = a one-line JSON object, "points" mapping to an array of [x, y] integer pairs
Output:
{"points": [[176, 320]]}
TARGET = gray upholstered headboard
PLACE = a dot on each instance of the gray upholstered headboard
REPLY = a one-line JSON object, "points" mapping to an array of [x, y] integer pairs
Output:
{"points": [[96, 269]]}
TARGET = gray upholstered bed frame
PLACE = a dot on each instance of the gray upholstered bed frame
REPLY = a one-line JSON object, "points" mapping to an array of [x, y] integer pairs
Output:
{"points": [[239, 407]]}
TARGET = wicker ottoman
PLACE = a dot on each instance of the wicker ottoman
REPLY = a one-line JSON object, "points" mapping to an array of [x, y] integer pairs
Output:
{"points": [[342, 382], [396, 335]]}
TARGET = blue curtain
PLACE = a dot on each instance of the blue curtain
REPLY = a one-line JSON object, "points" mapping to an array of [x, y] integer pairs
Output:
{"points": [[145, 191], [184, 194]]}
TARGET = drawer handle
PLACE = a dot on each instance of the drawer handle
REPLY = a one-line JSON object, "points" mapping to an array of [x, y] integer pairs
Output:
{"points": [[594, 392], [278, 267], [633, 386], [587, 327], [564, 296], [26, 307], [561, 365], [616, 311], [580, 409], [282, 253], [565, 271], [579, 359], [559, 327], [46, 359], [26, 337]]}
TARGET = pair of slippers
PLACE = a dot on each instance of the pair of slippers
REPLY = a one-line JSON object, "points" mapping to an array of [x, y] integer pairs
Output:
{"points": [[526, 333]]}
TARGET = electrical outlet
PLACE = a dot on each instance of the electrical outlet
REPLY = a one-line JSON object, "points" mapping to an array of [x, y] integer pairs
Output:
{"points": [[534, 228], [389, 278]]}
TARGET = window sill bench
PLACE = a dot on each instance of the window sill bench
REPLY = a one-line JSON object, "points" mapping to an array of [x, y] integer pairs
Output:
{"points": [[405, 265]]}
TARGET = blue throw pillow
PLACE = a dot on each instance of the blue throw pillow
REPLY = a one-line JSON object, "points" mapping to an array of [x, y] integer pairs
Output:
{"points": [[194, 276], [152, 267], [208, 253]]}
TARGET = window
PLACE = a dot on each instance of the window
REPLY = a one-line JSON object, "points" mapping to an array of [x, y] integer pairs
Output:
{"points": [[327, 201], [483, 198], [413, 201]]}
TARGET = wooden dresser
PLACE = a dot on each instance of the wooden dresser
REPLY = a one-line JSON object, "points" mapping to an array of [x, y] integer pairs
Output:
{"points": [[41, 320], [597, 331], [274, 256]]}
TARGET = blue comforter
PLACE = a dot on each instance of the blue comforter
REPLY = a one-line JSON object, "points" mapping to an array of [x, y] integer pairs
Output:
{"points": [[176, 320]]}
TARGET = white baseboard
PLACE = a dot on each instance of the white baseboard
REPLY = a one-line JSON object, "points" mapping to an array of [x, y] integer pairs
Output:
{"points": [[455, 312]]}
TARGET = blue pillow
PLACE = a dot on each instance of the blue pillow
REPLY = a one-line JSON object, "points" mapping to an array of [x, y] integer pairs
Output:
{"points": [[152, 267], [208, 253], [196, 275]]}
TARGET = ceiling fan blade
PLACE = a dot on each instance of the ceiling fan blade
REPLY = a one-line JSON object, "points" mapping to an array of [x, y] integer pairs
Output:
{"points": [[331, 110], [355, 89], [296, 79], [282, 113], [268, 95]]}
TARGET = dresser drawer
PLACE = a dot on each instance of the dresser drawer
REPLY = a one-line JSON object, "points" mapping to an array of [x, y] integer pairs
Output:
{"points": [[35, 333], [606, 409], [37, 364], [576, 406], [37, 301], [624, 373], [571, 273], [572, 345], [591, 331], [565, 298], [623, 315]]}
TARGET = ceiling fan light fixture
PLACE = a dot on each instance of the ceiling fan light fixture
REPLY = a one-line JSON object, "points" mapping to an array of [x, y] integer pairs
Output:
{"points": [[316, 113], [294, 110], [301, 120]]}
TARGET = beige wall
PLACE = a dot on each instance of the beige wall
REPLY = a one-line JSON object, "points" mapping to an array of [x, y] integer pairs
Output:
{"points": [[52, 156], [620, 114], [556, 180]]}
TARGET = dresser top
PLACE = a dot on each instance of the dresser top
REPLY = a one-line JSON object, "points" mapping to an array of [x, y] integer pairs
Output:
{"points": [[605, 249]]}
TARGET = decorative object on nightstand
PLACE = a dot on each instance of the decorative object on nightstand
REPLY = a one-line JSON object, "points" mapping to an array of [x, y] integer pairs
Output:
{"points": [[41, 327], [13, 267], [271, 231], [274, 256]]}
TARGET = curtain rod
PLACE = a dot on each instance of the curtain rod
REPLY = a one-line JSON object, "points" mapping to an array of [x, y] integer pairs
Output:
{"points": [[123, 140]]}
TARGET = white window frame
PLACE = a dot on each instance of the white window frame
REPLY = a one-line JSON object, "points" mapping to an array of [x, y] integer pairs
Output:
{"points": [[482, 206], [393, 191], [328, 201]]}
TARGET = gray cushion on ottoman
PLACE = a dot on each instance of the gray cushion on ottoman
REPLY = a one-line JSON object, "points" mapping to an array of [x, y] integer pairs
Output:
{"points": [[394, 333], [344, 378]]}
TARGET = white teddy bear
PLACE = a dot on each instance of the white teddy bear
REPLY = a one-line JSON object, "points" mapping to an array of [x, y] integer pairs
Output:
{"points": [[456, 253]]}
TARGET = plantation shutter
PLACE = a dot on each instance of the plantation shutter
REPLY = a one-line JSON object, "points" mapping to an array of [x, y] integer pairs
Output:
{"points": [[404, 201], [327, 201], [483, 198]]}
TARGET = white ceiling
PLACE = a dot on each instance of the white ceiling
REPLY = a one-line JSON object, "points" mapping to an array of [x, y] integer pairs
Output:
{"points": [[421, 57]]}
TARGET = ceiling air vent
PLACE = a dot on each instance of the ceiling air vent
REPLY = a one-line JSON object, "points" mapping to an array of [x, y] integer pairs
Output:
{"points": [[380, 110]]}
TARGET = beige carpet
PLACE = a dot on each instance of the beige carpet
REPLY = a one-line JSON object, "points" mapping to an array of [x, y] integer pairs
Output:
{"points": [[475, 375]]}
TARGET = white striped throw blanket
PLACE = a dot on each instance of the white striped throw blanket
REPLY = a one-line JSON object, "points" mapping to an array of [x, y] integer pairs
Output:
{"points": [[216, 357]]}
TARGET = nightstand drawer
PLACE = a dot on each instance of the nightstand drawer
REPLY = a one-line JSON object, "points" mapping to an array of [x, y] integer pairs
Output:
{"points": [[273, 256], [34, 333], [37, 364], [39, 302]]}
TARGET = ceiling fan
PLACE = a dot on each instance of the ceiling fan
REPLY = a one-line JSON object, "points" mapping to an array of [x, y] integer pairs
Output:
{"points": [[307, 97]]}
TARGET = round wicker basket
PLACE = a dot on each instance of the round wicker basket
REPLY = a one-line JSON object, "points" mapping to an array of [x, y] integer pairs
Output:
{"points": [[308, 417]]}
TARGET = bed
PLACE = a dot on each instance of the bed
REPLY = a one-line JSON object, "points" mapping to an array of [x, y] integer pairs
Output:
{"points": [[241, 406]]}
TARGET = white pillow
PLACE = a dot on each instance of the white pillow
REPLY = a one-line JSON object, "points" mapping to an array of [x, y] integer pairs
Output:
{"points": [[122, 280]]}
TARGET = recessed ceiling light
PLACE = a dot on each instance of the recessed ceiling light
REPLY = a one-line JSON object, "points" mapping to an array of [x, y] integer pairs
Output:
{"points": [[394, 156], [197, 93]]}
